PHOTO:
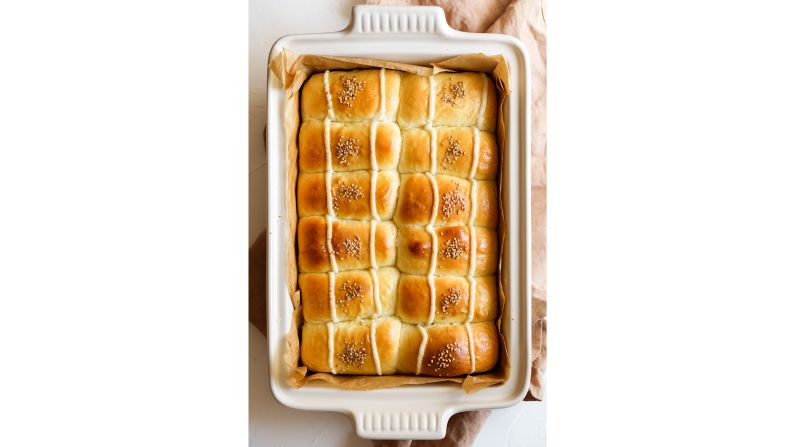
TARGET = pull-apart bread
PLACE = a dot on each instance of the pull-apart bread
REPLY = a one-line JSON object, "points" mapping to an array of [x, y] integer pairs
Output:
{"points": [[398, 206]]}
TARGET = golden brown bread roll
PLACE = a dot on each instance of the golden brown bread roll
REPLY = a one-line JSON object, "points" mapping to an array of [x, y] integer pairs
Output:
{"points": [[354, 95], [415, 251], [350, 193], [355, 348], [452, 200], [350, 242], [355, 294], [413, 108], [451, 299], [456, 99], [448, 350], [455, 149], [350, 146]]}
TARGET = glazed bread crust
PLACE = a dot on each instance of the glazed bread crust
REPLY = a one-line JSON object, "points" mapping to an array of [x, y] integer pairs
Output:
{"points": [[355, 96], [457, 101], [416, 200], [451, 300], [415, 250], [350, 240], [354, 291], [349, 144], [455, 150], [350, 194], [447, 351], [353, 346]]}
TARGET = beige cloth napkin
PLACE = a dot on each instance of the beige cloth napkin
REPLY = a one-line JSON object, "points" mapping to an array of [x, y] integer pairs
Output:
{"points": [[525, 20]]}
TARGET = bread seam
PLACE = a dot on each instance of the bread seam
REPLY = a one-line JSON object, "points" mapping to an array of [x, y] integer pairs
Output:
{"points": [[330, 111], [330, 327], [374, 347], [471, 341], [421, 350], [483, 99]]}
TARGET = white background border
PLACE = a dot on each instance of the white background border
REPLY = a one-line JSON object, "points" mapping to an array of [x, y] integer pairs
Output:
{"points": [[123, 247]]}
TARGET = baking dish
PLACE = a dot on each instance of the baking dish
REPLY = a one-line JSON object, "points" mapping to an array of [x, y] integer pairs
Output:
{"points": [[416, 35]]}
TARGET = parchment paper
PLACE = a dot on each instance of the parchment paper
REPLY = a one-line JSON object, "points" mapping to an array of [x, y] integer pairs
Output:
{"points": [[293, 70]]}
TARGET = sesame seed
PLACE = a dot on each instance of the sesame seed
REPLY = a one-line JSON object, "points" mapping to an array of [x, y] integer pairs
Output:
{"points": [[350, 88], [444, 358], [346, 148], [353, 354], [452, 152], [347, 192], [353, 290], [453, 202], [450, 299], [454, 248], [349, 248], [454, 92]]}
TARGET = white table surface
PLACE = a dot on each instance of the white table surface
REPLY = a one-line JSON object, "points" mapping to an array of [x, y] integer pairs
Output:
{"points": [[270, 423]]}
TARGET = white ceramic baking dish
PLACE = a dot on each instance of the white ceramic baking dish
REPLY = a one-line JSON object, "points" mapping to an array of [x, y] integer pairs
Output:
{"points": [[415, 35]]}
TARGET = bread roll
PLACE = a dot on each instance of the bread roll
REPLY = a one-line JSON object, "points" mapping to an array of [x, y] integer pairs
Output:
{"points": [[354, 348], [452, 198], [451, 299], [458, 100], [455, 149], [354, 294], [350, 241], [350, 146], [413, 109], [449, 349], [355, 95], [350, 192], [415, 251]]}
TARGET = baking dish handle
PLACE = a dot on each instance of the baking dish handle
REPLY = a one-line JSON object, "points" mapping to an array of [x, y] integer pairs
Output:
{"points": [[409, 424], [373, 19]]}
